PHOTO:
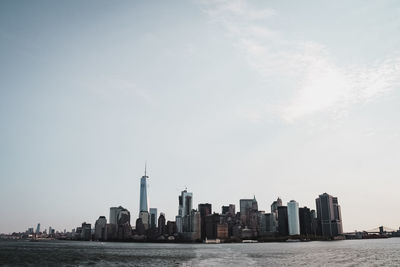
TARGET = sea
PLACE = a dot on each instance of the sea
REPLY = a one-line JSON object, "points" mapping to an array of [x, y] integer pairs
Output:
{"points": [[371, 252]]}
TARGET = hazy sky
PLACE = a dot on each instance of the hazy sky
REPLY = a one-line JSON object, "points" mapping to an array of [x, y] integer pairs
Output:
{"points": [[227, 98]]}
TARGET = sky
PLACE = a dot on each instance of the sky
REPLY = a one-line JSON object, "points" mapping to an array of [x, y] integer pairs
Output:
{"points": [[231, 99]]}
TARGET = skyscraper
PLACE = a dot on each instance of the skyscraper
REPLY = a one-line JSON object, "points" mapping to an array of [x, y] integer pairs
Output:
{"points": [[153, 218], [293, 217], [305, 219], [329, 215], [38, 228], [204, 209], [274, 212], [114, 214], [247, 206], [143, 191], [283, 226], [100, 228], [185, 203], [162, 229], [185, 207]]}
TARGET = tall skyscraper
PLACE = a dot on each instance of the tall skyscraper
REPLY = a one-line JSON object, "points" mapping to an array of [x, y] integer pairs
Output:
{"points": [[283, 226], [143, 191], [247, 207], [274, 212], [185, 207], [275, 205], [293, 217], [329, 215], [119, 218], [204, 209], [114, 214], [162, 229], [100, 228], [38, 228], [185, 203], [305, 219]]}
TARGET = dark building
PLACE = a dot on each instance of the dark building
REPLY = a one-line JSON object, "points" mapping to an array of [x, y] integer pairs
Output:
{"points": [[269, 222], [314, 223], [205, 210], [329, 215], [162, 229], [86, 233], [111, 231], [140, 230], [224, 210], [283, 224], [228, 210], [124, 231], [248, 208], [153, 218], [212, 221], [171, 228], [305, 220]]}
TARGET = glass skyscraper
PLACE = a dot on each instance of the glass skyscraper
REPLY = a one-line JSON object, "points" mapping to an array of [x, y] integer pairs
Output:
{"points": [[143, 193]]}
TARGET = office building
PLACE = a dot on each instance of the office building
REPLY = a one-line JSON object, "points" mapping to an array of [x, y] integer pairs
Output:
{"points": [[212, 221], [145, 217], [100, 229], [195, 225], [204, 209], [247, 208], [293, 217], [86, 231], [283, 227], [183, 219], [305, 221], [153, 218], [228, 210], [162, 229], [143, 192], [329, 215], [119, 215], [185, 203], [274, 212], [171, 228], [179, 223]]}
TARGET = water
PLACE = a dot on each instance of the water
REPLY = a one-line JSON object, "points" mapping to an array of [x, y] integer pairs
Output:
{"points": [[381, 252]]}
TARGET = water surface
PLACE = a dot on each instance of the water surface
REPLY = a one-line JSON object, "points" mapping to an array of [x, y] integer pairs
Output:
{"points": [[381, 252]]}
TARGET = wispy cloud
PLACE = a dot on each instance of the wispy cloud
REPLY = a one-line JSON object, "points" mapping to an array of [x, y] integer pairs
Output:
{"points": [[318, 83], [327, 87]]}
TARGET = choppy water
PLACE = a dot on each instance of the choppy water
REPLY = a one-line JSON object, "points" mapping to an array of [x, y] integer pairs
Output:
{"points": [[382, 252]]}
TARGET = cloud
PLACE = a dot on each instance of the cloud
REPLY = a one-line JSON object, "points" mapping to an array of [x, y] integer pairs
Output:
{"points": [[317, 84], [327, 87]]}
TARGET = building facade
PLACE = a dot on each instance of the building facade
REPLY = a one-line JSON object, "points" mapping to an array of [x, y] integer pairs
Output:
{"points": [[283, 227], [100, 229], [205, 209], [153, 218], [293, 217], [329, 216], [143, 193]]}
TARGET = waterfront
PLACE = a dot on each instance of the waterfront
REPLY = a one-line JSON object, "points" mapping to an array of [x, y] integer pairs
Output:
{"points": [[74, 253]]}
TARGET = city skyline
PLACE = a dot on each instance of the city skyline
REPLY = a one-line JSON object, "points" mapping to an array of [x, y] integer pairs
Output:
{"points": [[211, 226], [186, 207], [231, 99]]}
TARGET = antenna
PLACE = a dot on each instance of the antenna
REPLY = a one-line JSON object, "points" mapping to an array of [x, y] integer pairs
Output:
{"points": [[145, 168]]}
